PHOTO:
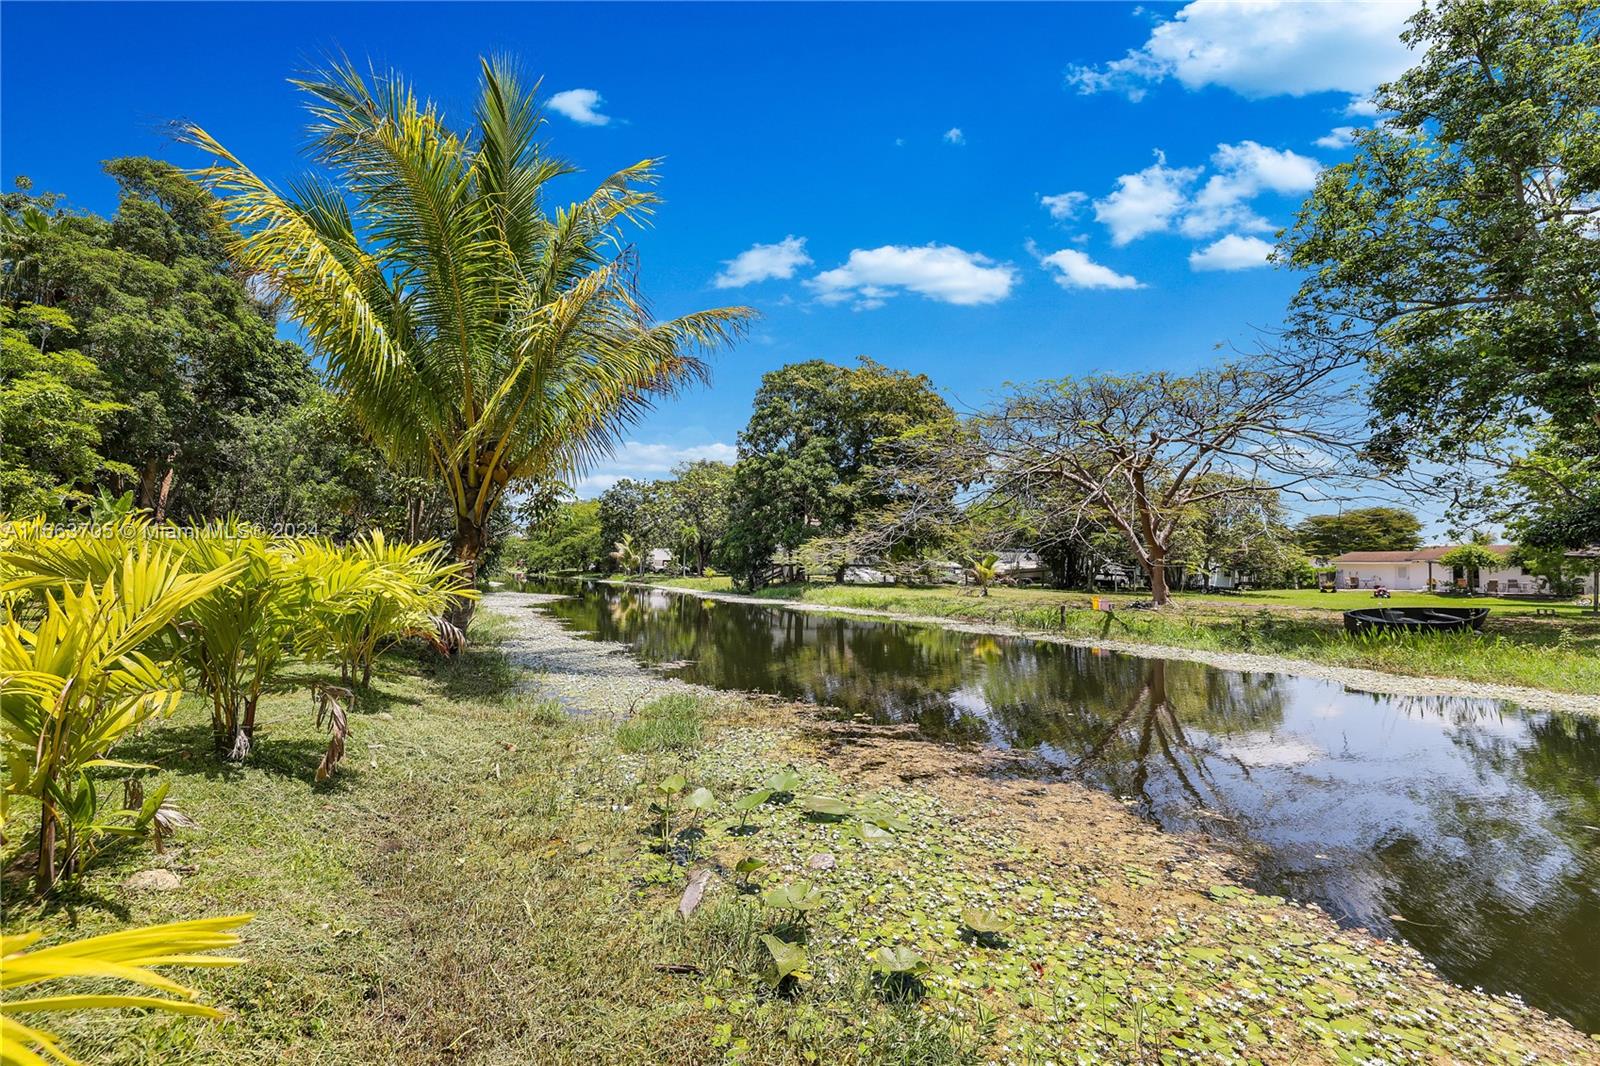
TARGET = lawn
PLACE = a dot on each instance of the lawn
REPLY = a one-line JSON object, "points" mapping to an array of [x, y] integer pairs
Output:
{"points": [[1518, 647], [488, 881]]}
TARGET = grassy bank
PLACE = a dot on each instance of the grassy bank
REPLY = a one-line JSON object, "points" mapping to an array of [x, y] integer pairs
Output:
{"points": [[1518, 646], [486, 881]]}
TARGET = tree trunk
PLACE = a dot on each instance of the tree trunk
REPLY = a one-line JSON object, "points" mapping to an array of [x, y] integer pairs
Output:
{"points": [[1157, 569], [46, 871], [467, 546]]}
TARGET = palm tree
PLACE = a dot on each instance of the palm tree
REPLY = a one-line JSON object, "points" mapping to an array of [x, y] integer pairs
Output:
{"points": [[473, 330], [628, 556], [985, 569]]}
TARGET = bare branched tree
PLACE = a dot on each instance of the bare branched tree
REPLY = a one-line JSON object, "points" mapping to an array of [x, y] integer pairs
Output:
{"points": [[1140, 452]]}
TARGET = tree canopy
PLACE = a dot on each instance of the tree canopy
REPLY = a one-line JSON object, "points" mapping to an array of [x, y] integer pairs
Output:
{"points": [[812, 457], [1459, 251], [162, 327], [1149, 454], [1360, 529]]}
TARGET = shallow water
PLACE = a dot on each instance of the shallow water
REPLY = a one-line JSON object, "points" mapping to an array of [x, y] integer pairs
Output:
{"points": [[1469, 828]]}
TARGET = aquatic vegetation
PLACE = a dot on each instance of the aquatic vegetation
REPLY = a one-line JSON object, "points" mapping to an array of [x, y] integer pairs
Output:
{"points": [[788, 961]]}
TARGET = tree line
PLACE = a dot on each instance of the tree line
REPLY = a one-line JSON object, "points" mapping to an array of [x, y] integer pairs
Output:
{"points": [[473, 347]]}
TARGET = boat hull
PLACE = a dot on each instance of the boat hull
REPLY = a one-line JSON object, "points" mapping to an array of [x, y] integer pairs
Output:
{"points": [[1414, 619]]}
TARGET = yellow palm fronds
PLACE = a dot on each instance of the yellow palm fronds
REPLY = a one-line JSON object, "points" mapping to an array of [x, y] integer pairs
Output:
{"points": [[131, 955]]}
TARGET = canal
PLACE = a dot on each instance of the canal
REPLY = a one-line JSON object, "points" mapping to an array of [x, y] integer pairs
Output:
{"points": [[1468, 828]]}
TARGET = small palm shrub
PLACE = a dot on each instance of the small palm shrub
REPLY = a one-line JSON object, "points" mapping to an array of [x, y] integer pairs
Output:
{"points": [[76, 683], [370, 593], [131, 955]]}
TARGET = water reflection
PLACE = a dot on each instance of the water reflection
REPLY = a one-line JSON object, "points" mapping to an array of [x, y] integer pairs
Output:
{"points": [[1469, 828]]}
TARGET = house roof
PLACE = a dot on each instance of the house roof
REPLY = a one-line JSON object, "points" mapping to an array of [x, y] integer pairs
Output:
{"points": [[1418, 555]]}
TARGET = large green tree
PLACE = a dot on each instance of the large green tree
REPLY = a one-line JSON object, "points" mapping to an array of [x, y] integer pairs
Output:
{"points": [[811, 458], [1359, 529], [54, 407], [702, 498], [1458, 252], [186, 351], [473, 328]]}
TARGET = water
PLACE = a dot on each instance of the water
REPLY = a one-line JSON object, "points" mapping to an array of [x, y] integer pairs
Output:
{"points": [[1469, 828]]}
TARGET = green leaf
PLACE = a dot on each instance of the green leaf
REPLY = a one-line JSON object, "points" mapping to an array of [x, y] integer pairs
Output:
{"points": [[700, 799], [898, 960], [671, 786], [827, 806], [872, 834], [748, 865], [794, 896], [788, 960], [783, 781], [751, 800], [982, 921]]}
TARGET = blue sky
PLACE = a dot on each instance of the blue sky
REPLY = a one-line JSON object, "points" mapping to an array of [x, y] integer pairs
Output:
{"points": [[984, 193]]}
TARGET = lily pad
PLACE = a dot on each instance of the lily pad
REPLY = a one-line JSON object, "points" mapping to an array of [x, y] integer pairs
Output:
{"points": [[788, 960], [982, 921], [751, 800], [794, 896], [824, 806], [898, 960]]}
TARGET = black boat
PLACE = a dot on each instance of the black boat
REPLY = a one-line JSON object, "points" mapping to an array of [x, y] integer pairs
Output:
{"points": [[1414, 619]]}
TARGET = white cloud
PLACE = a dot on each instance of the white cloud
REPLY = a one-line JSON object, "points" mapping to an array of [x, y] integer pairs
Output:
{"points": [[1338, 137], [954, 135], [637, 459], [580, 105], [1232, 252], [761, 262], [1160, 198], [1074, 270], [938, 271], [1263, 48], [1063, 206], [1360, 106], [1145, 202], [1243, 171]]}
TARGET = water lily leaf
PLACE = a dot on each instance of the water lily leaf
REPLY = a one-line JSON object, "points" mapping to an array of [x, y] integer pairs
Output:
{"points": [[886, 820], [982, 921], [827, 806], [788, 960], [673, 785], [751, 800], [794, 896], [700, 799], [749, 865], [898, 960], [872, 834], [783, 781]]}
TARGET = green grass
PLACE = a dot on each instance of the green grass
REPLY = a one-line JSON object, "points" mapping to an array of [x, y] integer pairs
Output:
{"points": [[671, 723], [482, 883], [1518, 647]]}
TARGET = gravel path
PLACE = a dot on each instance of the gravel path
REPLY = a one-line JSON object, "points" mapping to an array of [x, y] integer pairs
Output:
{"points": [[590, 677], [1350, 677]]}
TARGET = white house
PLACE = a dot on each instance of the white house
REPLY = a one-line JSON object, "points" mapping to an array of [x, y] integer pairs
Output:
{"points": [[1420, 570]]}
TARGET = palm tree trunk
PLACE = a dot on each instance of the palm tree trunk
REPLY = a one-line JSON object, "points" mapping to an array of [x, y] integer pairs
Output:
{"points": [[467, 547], [46, 871]]}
